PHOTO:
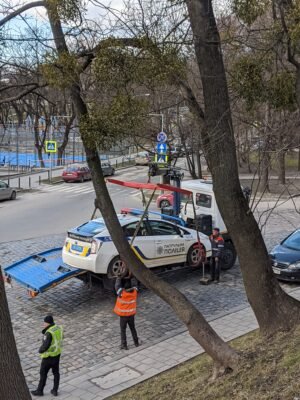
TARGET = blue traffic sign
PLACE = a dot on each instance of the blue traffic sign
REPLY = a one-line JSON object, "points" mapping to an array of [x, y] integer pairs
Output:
{"points": [[161, 158], [51, 146], [161, 148], [162, 137]]}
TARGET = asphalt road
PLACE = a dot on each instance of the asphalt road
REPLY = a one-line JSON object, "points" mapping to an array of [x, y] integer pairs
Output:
{"points": [[53, 209]]}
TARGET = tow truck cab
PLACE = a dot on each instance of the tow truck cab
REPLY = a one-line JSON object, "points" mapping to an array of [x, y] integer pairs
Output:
{"points": [[208, 214]]}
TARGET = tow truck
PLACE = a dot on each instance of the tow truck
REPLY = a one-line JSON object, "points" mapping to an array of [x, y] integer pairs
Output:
{"points": [[43, 271], [197, 209]]}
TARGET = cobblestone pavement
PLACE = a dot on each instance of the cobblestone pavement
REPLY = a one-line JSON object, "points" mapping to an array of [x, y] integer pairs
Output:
{"points": [[91, 329]]}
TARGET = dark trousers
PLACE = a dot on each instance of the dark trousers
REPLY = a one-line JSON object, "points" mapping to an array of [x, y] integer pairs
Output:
{"points": [[46, 365], [215, 266], [123, 325]]}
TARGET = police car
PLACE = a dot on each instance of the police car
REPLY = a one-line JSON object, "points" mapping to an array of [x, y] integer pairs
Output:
{"points": [[158, 243]]}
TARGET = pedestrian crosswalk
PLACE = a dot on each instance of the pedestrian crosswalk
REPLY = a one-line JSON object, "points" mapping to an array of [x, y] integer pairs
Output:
{"points": [[78, 189]]}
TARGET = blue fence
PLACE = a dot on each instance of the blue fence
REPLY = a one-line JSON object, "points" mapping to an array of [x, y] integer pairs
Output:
{"points": [[31, 160]]}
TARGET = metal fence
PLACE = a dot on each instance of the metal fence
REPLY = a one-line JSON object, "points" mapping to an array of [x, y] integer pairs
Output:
{"points": [[17, 146]]}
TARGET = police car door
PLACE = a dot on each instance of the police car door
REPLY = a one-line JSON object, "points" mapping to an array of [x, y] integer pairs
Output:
{"points": [[169, 243], [143, 243]]}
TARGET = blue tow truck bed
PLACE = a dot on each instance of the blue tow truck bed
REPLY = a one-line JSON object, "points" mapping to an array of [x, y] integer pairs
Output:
{"points": [[42, 271]]}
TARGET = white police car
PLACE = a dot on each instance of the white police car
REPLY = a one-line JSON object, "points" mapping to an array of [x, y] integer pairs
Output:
{"points": [[158, 243]]}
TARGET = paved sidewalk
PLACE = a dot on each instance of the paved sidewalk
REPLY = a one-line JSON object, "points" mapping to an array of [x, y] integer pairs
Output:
{"points": [[104, 380]]}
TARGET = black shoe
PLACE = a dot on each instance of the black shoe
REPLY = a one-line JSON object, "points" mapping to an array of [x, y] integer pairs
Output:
{"points": [[124, 347], [37, 393], [136, 344], [54, 392]]}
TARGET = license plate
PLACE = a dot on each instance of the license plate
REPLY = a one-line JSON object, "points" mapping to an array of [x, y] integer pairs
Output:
{"points": [[77, 248], [69, 174], [276, 271]]}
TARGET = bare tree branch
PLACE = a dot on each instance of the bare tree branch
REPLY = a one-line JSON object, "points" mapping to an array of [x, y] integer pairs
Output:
{"points": [[21, 10]]}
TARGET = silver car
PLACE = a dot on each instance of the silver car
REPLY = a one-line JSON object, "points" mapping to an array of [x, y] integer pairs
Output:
{"points": [[6, 192], [107, 169]]}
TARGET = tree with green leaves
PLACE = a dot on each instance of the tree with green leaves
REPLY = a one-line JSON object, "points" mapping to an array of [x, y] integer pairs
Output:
{"points": [[99, 128]]}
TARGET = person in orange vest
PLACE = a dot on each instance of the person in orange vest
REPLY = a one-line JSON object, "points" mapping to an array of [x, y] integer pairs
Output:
{"points": [[125, 308], [217, 250]]}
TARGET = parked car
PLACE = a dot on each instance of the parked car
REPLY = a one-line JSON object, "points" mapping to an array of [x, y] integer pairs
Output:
{"points": [[165, 200], [6, 192], [158, 243], [76, 173], [285, 258], [142, 158], [107, 169]]}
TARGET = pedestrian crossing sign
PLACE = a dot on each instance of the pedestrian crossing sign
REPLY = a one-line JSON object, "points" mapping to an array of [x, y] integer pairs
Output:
{"points": [[161, 159], [51, 146]]}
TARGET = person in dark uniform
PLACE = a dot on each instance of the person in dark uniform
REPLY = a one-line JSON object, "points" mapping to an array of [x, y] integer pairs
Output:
{"points": [[217, 249], [50, 352], [125, 308]]}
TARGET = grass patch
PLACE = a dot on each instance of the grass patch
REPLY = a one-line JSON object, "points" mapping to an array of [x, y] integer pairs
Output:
{"points": [[269, 370]]}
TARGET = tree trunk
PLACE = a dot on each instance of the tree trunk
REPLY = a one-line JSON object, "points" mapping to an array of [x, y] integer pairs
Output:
{"points": [[13, 385], [38, 145], [273, 308], [62, 147], [198, 327], [263, 168]]}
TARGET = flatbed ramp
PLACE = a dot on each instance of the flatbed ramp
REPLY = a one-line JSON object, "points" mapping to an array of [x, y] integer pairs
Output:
{"points": [[41, 271]]}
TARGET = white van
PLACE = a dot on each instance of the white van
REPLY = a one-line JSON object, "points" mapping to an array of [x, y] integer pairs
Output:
{"points": [[205, 204]]}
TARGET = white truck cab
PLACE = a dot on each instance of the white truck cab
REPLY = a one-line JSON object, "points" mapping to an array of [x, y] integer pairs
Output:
{"points": [[204, 200], [206, 205]]}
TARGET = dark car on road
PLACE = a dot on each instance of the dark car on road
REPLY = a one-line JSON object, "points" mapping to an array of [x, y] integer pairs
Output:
{"points": [[107, 169], [76, 173], [285, 258], [6, 192]]}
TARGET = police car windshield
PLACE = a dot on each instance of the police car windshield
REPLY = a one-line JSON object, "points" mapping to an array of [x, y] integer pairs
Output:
{"points": [[91, 227]]}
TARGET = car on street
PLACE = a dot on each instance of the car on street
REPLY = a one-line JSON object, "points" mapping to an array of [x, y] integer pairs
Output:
{"points": [[142, 158], [158, 243], [6, 192], [76, 173], [165, 200], [107, 169], [285, 258]]}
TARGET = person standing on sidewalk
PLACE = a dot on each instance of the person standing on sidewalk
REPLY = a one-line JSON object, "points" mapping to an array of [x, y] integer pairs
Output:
{"points": [[50, 352], [217, 250], [125, 308]]}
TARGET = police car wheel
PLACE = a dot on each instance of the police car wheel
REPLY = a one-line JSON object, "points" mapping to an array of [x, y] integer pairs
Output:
{"points": [[229, 256], [116, 268], [193, 256]]}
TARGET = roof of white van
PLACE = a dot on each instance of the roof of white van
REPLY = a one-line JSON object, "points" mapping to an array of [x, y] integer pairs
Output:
{"points": [[198, 184]]}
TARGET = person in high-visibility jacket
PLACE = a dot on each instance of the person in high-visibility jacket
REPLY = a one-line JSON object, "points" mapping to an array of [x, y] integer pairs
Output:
{"points": [[50, 352], [125, 308]]}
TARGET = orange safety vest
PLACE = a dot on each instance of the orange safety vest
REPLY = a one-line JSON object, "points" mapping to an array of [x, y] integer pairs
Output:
{"points": [[126, 305]]}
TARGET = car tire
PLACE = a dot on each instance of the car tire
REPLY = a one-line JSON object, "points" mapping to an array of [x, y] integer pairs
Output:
{"points": [[113, 172], [229, 256], [164, 203], [13, 195], [113, 270], [193, 258]]}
